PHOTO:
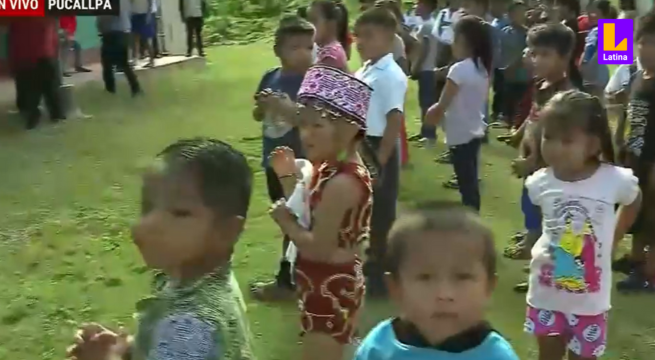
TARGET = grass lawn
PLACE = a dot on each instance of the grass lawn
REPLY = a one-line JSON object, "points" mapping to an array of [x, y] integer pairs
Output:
{"points": [[69, 193]]}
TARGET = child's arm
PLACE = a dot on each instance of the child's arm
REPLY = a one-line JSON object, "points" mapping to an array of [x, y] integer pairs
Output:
{"points": [[437, 111], [327, 218], [626, 216], [630, 198]]}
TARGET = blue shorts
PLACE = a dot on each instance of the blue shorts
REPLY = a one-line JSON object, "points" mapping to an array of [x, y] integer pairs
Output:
{"points": [[143, 25], [531, 212]]}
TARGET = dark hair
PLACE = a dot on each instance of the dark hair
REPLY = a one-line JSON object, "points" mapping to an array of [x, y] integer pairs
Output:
{"points": [[627, 5], [393, 7], [646, 25], [573, 5], [432, 4], [224, 178], [439, 217], [516, 5], [335, 11], [574, 109], [292, 25], [555, 36], [378, 16], [603, 6], [477, 34]]}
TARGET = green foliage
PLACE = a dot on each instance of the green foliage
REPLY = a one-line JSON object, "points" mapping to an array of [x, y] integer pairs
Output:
{"points": [[243, 21]]}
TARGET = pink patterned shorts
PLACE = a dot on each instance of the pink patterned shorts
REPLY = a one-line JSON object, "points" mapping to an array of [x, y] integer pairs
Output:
{"points": [[586, 335]]}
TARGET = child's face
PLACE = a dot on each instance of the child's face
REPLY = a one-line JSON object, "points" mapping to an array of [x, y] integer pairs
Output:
{"points": [[296, 51], [324, 138], [646, 51], [175, 228], [548, 62], [442, 287], [373, 41], [518, 15], [567, 151], [423, 10]]}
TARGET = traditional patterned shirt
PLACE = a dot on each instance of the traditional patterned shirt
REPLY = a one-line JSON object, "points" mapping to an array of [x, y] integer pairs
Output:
{"points": [[200, 320]]}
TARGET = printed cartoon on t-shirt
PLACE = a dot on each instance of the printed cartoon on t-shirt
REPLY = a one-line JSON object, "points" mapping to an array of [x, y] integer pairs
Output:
{"points": [[574, 250]]}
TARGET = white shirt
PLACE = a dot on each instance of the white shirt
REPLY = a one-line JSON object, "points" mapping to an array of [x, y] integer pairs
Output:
{"points": [[571, 270], [299, 203], [389, 84], [620, 79], [141, 6], [443, 26], [192, 8], [464, 118]]}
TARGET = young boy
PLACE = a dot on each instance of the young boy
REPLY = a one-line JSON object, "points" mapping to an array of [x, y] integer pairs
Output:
{"points": [[194, 206], [423, 67], [375, 30], [193, 14], [294, 42], [515, 75], [551, 46], [442, 273], [114, 51], [143, 29], [639, 154]]}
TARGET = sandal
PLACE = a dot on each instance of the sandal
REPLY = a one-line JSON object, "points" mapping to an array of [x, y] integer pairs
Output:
{"points": [[518, 237], [518, 251], [271, 291], [521, 288]]}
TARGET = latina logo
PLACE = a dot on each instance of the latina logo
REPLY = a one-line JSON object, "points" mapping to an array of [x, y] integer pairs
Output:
{"points": [[615, 42]]}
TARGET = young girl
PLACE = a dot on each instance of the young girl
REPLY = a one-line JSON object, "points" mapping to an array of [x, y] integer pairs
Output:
{"points": [[331, 21], [442, 273], [461, 103], [332, 120], [570, 273]]}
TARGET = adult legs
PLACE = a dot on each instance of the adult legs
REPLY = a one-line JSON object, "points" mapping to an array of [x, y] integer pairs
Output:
{"points": [[50, 88], [427, 88], [77, 53], [189, 36], [498, 87], [108, 59], [198, 33], [31, 80], [122, 62]]}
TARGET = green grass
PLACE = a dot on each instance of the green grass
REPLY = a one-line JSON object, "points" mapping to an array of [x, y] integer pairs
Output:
{"points": [[70, 192]]}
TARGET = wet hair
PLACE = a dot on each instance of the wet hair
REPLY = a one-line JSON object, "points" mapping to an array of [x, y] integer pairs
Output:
{"points": [[379, 17], [292, 25], [335, 11], [477, 34], [439, 217], [574, 109], [554, 36], [223, 176], [646, 25]]}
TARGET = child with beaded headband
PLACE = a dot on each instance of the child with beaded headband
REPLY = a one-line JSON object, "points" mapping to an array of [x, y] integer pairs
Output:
{"points": [[332, 118]]}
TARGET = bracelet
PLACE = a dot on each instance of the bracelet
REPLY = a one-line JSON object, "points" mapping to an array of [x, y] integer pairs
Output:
{"points": [[286, 176]]}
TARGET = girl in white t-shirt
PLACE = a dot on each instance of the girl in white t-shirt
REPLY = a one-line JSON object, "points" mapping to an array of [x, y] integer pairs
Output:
{"points": [[460, 107], [570, 272]]}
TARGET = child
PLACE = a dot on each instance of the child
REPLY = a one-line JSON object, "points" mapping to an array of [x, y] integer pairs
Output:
{"points": [[461, 103], [442, 273], [114, 51], [423, 68], [194, 206], [193, 13], [331, 21], [143, 29], [551, 46], [639, 154], [332, 124], [570, 273], [293, 47], [375, 31], [595, 76], [515, 75], [69, 26]]}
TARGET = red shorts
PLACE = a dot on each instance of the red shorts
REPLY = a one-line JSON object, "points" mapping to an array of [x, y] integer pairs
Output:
{"points": [[330, 296]]}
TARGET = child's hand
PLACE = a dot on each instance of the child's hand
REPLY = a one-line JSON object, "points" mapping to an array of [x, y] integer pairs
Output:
{"points": [[283, 161], [281, 213], [258, 113], [95, 342], [522, 167]]}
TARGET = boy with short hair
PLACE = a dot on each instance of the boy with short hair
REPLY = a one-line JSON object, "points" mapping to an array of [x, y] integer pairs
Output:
{"points": [[551, 47], [375, 31], [294, 43], [515, 75], [423, 67], [194, 206]]}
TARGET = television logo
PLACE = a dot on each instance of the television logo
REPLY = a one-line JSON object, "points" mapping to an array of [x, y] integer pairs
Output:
{"points": [[59, 7], [615, 40]]}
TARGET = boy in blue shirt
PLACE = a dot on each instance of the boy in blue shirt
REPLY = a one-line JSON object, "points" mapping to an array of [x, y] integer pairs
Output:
{"points": [[294, 42], [442, 272]]}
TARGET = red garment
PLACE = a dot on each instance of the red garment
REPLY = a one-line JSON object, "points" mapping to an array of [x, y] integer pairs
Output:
{"points": [[583, 23], [68, 24], [330, 295], [31, 39], [404, 144]]}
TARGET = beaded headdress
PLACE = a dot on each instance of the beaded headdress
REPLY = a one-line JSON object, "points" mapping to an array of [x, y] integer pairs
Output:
{"points": [[337, 93]]}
